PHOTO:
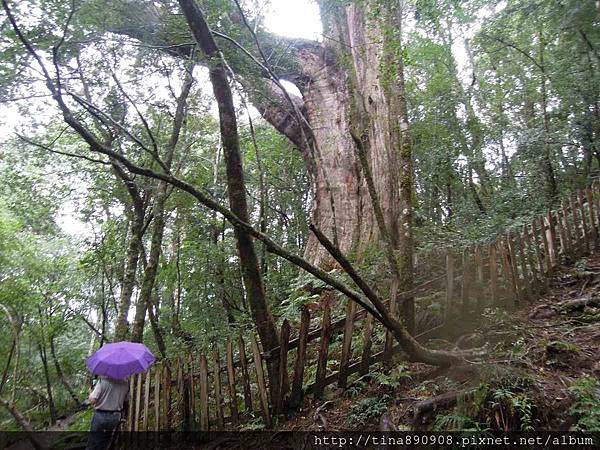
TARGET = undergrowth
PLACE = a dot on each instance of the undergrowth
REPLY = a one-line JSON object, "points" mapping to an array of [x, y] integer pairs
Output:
{"points": [[586, 408], [367, 410]]}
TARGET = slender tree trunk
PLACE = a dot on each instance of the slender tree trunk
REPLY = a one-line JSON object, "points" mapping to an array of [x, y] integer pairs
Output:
{"points": [[151, 268], [158, 211], [128, 284], [156, 330], [7, 366], [406, 184], [60, 372], [51, 406], [236, 188]]}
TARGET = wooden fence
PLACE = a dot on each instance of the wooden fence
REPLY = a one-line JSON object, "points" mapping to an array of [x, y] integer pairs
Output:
{"points": [[224, 391]]}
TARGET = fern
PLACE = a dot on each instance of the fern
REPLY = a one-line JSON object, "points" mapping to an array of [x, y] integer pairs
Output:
{"points": [[586, 408]]}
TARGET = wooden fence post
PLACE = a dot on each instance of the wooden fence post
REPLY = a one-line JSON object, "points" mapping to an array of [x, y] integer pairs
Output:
{"points": [[347, 343], [367, 343], [571, 245], [146, 401], [512, 260], [245, 375], [540, 233], [577, 225], [389, 338], [296, 397], [235, 418], [587, 230], [323, 349], [527, 286], [596, 197], [564, 242], [449, 282], [541, 245], [138, 402], [157, 374], [192, 387], [507, 276], [493, 274], [260, 381], [532, 254], [550, 237], [284, 383], [592, 216], [185, 395], [218, 390], [203, 380], [131, 403], [167, 397], [180, 391]]}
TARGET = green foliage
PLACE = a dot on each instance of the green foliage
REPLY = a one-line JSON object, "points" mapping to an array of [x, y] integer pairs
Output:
{"points": [[586, 407], [456, 422], [394, 379], [581, 269], [366, 410], [82, 421], [518, 404], [357, 388]]}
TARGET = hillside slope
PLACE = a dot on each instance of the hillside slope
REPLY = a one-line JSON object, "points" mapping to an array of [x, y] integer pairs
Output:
{"points": [[540, 372]]}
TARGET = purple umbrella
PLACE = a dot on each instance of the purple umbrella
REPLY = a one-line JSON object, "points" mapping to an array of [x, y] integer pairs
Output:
{"points": [[120, 360]]}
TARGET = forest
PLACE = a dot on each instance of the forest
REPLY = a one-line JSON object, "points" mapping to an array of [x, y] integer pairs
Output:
{"points": [[388, 226]]}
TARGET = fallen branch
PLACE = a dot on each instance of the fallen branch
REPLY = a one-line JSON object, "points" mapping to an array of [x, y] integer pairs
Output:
{"points": [[431, 405], [23, 423]]}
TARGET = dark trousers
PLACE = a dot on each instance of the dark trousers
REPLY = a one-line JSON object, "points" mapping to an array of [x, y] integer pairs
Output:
{"points": [[103, 430]]}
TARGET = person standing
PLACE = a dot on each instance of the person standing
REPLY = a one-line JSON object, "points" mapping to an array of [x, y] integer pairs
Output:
{"points": [[108, 398]]}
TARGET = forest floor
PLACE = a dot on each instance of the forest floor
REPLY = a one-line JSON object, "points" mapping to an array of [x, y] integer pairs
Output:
{"points": [[541, 372]]}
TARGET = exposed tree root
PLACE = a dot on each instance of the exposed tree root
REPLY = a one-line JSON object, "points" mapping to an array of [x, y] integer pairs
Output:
{"points": [[579, 304]]}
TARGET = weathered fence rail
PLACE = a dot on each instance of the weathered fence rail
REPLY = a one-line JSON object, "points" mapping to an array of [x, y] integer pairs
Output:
{"points": [[209, 391]]}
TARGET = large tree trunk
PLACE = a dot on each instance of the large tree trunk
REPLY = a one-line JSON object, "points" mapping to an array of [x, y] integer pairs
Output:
{"points": [[341, 204], [346, 74], [356, 105]]}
